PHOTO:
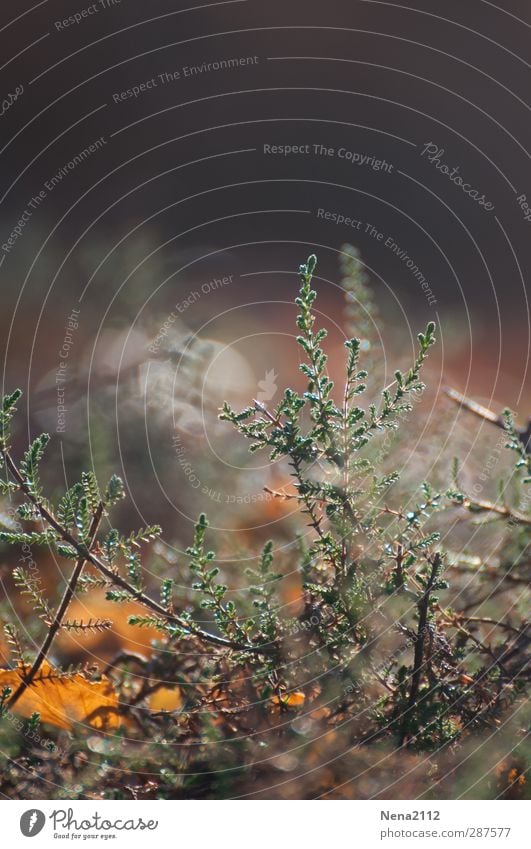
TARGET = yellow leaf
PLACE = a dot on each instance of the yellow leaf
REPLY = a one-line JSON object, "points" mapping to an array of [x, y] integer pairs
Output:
{"points": [[104, 645], [295, 699], [64, 700], [165, 698]]}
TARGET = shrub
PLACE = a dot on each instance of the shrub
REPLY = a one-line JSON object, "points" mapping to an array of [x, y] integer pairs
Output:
{"points": [[375, 654]]}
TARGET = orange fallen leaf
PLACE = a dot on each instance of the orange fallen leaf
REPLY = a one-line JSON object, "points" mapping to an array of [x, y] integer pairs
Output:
{"points": [[295, 699], [62, 700]]}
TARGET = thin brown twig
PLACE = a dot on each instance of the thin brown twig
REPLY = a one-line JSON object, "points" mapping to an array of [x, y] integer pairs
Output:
{"points": [[490, 571], [261, 408], [473, 407], [385, 510], [485, 620], [292, 496]]}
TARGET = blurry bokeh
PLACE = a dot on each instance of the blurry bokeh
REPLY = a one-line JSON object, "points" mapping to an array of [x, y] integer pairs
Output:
{"points": [[163, 172]]}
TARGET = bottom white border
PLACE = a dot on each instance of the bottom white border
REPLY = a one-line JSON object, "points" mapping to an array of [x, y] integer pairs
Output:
{"points": [[242, 825]]}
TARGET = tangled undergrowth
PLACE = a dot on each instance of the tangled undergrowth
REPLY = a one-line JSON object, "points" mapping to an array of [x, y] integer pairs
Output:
{"points": [[386, 682]]}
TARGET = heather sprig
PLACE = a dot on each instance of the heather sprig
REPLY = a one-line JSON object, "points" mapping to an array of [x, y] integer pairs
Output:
{"points": [[369, 566]]}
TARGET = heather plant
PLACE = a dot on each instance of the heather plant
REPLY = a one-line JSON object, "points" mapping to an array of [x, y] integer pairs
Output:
{"points": [[378, 648]]}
